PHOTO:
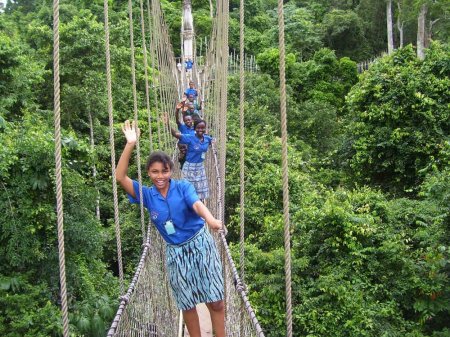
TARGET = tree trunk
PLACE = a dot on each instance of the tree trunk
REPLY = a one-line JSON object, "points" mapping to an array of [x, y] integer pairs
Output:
{"points": [[430, 32], [400, 24], [421, 31], [390, 35], [211, 9]]}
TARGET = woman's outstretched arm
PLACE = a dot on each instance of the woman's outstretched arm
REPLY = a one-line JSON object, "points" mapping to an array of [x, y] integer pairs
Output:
{"points": [[203, 211], [131, 134]]}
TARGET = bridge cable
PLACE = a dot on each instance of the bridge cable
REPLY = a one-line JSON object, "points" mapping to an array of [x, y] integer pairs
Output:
{"points": [[285, 173], [112, 147], [135, 111], [58, 170], [241, 152]]}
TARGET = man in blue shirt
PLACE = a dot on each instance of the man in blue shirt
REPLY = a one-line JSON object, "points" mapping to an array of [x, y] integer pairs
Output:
{"points": [[191, 90], [188, 64], [187, 127]]}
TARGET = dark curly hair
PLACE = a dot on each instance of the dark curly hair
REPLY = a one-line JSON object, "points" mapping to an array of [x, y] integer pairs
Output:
{"points": [[197, 122], [159, 157]]}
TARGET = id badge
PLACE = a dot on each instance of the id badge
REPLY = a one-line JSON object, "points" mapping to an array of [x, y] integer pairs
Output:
{"points": [[170, 229], [203, 155]]}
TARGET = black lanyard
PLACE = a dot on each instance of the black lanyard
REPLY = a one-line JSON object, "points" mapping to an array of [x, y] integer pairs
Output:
{"points": [[168, 206]]}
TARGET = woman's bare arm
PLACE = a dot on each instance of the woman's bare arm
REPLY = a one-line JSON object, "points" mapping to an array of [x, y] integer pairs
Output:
{"points": [[131, 134], [203, 211]]}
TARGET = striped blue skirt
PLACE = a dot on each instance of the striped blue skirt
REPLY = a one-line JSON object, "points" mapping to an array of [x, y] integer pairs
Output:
{"points": [[195, 271], [195, 173]]}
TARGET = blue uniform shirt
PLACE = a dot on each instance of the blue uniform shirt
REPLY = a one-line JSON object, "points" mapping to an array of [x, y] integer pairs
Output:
{"points": [[177, 206], [196, 149], [190, 91], [184, 129], [189, 64]]}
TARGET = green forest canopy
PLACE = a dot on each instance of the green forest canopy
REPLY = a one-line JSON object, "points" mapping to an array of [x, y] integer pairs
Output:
{"points": [[369, 166]]}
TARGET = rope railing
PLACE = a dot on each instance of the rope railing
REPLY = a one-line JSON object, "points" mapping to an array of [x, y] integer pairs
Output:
{"points": [[249, 62], [233, 321], [366, 64], [134, 313], [125, 298]]}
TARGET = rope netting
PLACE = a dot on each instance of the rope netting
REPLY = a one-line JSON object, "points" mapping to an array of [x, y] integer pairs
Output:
{"points": [[148, 308]]}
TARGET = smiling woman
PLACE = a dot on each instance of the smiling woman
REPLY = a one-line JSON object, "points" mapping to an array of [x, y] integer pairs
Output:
{"points": [[197, 146], [193, 263]]}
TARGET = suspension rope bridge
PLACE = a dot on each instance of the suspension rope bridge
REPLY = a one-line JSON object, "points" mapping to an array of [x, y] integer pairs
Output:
{"points": [[147, 307]]}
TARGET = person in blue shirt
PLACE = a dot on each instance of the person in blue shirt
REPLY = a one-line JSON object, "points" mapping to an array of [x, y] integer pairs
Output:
{"points": [[193, 264], [191, 90], [190, 111], [192, 99], [188, 64], [197, 146], [185, 128], [183, 105]]}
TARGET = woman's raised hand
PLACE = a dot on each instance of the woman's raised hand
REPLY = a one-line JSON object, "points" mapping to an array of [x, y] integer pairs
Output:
{"points": [[130, 131]]}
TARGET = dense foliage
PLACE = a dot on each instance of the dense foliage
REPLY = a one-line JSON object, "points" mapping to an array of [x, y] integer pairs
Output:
{"points": [[364, 263], [369, 161], [400, 119]]}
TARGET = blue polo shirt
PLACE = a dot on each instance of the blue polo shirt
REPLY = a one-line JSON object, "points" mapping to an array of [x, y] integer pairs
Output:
{"points": [[190, 91], [177, 206], [196, 149], [184, 129]]}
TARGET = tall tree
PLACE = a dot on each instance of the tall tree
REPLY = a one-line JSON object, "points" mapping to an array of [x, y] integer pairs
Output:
{"points": [[421, 31], [400, 23], [390, 35]]}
